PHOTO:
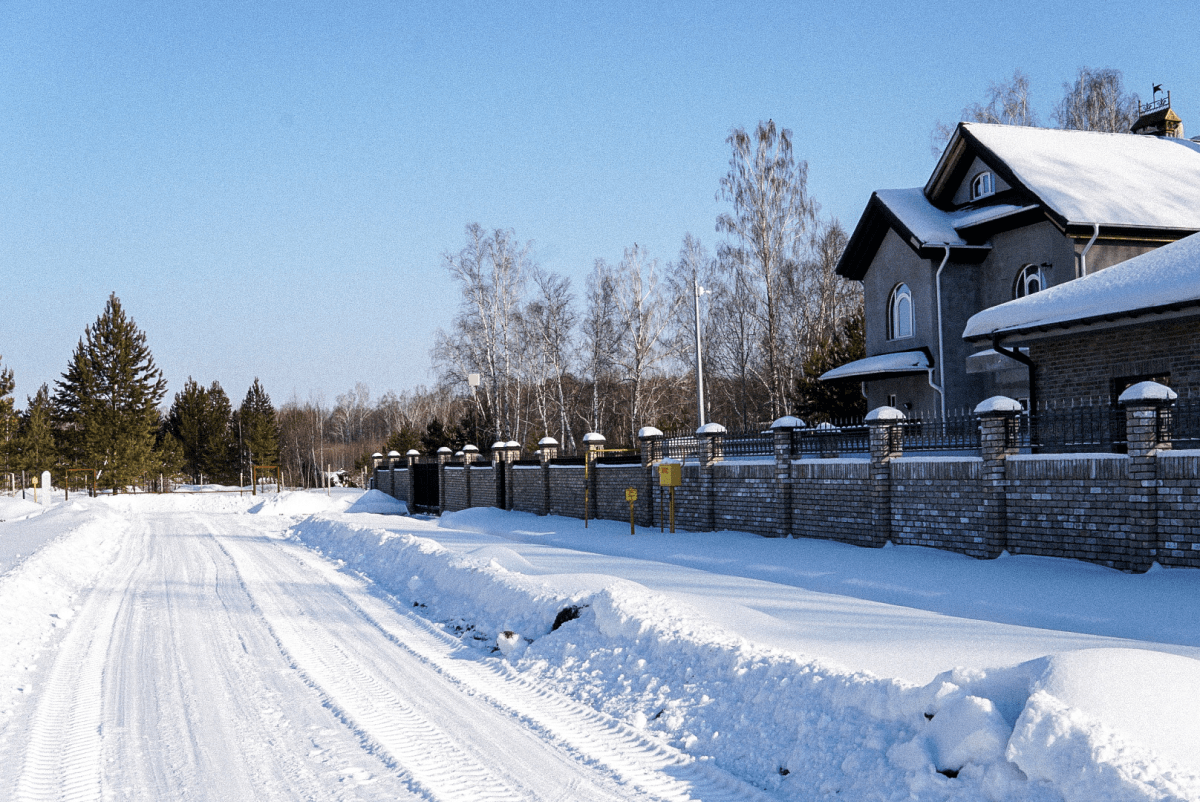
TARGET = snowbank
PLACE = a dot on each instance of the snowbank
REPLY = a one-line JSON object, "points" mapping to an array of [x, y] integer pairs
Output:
{"points": [[379, 503], [1047, 729], [301, 502]]}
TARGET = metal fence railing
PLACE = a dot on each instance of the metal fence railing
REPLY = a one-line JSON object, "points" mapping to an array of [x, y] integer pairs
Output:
{"points": [[1075, 430], [1185, 423]]}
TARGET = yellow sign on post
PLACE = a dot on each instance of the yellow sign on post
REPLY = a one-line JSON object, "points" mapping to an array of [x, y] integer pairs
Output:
{"points": [[631, 497], [670, 474]]}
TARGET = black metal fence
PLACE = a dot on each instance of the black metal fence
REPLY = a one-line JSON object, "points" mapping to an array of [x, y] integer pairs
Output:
{"points": [[1185, 423]]}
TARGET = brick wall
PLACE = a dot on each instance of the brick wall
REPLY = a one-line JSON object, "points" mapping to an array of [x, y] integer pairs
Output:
{"points": [[1179, 509], [939, 503], [1083, 365], [745, 498], [454, 489], [610, 485], [1116, 510], [399, 484], [566, 490], [1070, 506], [830, 500], [483, 486], [527, 492]]}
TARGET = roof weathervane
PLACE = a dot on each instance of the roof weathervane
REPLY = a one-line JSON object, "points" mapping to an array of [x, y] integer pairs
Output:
{"points": [[1156, 90]]}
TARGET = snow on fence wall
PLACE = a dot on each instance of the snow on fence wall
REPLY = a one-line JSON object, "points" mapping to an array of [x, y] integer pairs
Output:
{"points": [[1122, 510]]}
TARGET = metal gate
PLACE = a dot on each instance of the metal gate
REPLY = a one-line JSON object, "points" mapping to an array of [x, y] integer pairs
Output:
{"points": [[425, 488]]}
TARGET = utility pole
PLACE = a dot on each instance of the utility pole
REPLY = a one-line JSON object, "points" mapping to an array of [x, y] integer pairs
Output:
{"points": [[699, 358]]}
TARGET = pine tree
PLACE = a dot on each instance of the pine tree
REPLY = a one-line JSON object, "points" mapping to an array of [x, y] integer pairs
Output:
{"points": [[108, 399], [8, 420], [816, 401], [36, 448], [201, 419], [259, 431]]}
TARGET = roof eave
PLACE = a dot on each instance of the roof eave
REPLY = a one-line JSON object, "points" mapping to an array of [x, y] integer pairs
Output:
{"points": [[1040, 331]]}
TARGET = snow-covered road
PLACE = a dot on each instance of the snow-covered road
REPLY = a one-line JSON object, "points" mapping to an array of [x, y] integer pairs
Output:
{"points": [[211, 659]]}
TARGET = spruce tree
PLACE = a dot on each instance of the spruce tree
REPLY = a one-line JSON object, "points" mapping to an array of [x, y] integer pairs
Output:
{"points": [[108, 399], [36, 448], [201, 419], [259, 431], [8, 420]]}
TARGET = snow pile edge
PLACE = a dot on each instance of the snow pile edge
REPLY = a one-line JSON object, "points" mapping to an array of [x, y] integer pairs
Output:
{"points": [[779, 720]]}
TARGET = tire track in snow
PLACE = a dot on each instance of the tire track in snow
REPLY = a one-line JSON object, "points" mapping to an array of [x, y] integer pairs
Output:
{"points": [[63, 758], [400, 720]]}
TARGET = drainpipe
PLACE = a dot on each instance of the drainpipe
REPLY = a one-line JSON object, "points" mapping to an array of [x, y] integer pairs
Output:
{"points": [[1016, 354], [941, 355], [1086, 248]]}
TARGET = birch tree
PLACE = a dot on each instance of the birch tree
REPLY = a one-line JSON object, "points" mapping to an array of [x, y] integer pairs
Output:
{"points": [[1097, 101], [768, 190], [601, 338], [645, 315], [549, 320]]}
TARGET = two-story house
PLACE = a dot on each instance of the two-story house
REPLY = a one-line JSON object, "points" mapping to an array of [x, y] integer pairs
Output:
{"points": [[1009, 211]]}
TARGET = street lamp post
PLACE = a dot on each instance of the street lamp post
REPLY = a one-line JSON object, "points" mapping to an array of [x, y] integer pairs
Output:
{"points": [[699, 359]]}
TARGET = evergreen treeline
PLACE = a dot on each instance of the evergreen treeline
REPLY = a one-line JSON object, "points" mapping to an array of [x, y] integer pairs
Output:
{"points": [[104, 416]]}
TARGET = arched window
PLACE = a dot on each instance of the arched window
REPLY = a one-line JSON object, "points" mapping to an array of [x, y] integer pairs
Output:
{"points": [[900, 313], [1029, 281], [982, 185]]}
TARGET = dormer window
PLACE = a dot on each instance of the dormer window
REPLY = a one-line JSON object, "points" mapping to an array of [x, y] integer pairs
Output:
{"points": [[900, 313], [982, 186], [1029, 281]]}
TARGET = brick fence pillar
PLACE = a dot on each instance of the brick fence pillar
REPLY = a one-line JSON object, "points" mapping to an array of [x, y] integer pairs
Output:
{"points": [[887, 443], [999, 419], [443, 456], [650, 441], [594, 443], [414, 457], [711, 439], [1147, 431], [781, 432], [376, 461], [547, 450]]}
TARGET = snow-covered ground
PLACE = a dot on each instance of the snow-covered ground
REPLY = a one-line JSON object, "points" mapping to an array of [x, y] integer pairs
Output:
{"points": [[193, 646]]}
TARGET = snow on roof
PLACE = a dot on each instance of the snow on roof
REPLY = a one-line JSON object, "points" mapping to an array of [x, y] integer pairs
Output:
{"points": [[1094, 177], [902, 362], [930, 224], [1161, 278]]}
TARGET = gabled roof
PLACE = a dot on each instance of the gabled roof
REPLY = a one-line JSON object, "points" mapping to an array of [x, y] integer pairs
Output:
{"points": [[1082, 177], [1126, 183], [1162, 282], [922, 225]]}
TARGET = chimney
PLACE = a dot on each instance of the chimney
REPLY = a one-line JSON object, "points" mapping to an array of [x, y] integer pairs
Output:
{"points": [[1157, 118]]}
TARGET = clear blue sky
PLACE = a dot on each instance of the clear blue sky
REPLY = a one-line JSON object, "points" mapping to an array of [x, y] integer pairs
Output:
{"points": [[269, 187]]}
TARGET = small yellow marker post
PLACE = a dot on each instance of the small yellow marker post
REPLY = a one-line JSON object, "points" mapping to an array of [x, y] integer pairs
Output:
{"points": [[670, 475], [631, 497]]}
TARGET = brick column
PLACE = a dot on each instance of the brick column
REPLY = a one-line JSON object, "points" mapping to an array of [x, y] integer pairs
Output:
{"points": [[651, 441], [999, 419], [711, 439], [443, 456], [393, 459], [886, 444], [781, 431], [593, 442], [1147, 431], [414, 457], [547, 450]]}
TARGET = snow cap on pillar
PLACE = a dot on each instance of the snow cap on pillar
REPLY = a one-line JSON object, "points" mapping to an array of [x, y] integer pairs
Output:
{"points": [[470, 449], [997, 403], [649, 431], [498, 445], [788, 422], [377, 455], [594, 437], [512, 444], [444, 450], [1148, 391], [712, 428], [412, 452], [547, 441], [884, 413], [393, 453]]}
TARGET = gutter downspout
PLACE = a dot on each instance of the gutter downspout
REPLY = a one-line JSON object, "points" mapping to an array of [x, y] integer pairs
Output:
{"points": [[1016, 354], [941, 355], [1086, 248]]}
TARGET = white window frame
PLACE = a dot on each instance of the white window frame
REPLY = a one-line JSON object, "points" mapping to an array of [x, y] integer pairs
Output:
{"points": [[897, 314], [983, 185], [1028, 273]]}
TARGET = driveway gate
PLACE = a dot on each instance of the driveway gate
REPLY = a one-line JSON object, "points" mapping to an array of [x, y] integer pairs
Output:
{"points": [[425, 488]]}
